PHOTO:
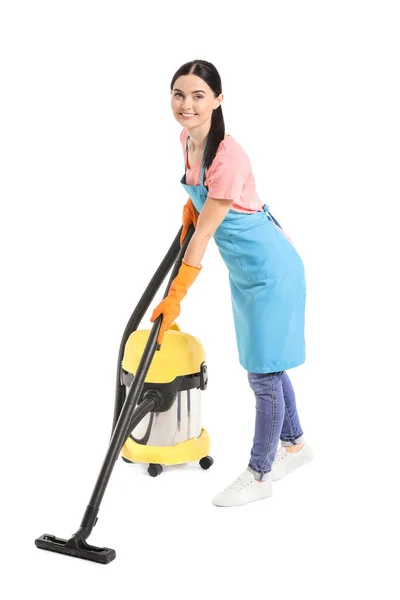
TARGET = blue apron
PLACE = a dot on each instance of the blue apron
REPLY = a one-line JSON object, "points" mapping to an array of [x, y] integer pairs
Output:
{"points": [[267, 281]]}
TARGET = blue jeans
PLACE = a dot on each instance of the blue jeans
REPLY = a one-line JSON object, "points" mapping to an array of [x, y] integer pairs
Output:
{"points": [[276, 418]]}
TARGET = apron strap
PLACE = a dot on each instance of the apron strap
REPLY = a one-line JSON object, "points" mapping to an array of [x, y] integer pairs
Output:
{"points": [[266, 210], [202, 160], [186, 154]]}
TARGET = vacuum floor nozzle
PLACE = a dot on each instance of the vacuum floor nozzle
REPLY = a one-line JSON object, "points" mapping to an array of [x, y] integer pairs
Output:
{"points": [[75, 547]]}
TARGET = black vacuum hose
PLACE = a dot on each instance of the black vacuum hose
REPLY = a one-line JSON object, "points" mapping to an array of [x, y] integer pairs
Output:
{"points": [[128, 412], [174, 254]]}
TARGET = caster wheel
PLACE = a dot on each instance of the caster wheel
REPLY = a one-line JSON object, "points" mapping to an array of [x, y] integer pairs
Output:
{"points": [[206, 462], [126, 460], [154, 470]]}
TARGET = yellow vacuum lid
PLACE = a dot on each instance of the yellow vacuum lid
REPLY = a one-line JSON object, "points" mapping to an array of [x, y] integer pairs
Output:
{"points": [[180, 354]]}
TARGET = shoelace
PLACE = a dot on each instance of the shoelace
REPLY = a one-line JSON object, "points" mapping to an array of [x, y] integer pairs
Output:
{"points": [[280, 454], [238, 484]]}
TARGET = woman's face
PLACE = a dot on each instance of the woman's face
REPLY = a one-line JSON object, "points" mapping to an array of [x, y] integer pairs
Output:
{"points": [[193, 97]]}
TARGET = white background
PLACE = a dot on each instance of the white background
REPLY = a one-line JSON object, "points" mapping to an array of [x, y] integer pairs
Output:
{"points": [[91, 201]]}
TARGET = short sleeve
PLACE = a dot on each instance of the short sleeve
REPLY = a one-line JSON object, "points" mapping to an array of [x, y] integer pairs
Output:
{"points": [[226, 177]]}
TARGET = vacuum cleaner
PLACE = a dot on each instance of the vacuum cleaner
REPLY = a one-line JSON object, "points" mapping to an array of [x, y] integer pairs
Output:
{"points": [[157, 415]]}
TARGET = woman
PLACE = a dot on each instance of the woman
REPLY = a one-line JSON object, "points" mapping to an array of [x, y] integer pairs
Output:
{"points": [[266, 277]]}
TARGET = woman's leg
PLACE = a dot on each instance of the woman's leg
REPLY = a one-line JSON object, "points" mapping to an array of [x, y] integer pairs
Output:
{"points": [[294, 452], [292, 433], [270, 413], [255, 482]]}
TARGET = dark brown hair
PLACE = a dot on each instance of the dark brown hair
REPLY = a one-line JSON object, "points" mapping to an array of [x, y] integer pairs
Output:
{"points": [[207, 71]]}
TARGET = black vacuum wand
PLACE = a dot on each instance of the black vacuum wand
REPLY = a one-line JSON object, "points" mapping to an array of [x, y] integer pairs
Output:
{"points": [[126, 413]]}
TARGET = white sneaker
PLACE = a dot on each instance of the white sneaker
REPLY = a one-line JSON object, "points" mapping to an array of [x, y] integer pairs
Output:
{"points": [[243, 490], [286, 462]]}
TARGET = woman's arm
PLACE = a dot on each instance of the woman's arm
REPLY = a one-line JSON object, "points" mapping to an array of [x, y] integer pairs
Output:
{"points": [[211, 216]]}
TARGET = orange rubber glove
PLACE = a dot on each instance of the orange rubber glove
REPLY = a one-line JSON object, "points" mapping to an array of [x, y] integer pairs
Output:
{"points": [[170, 306], [190, 215]]}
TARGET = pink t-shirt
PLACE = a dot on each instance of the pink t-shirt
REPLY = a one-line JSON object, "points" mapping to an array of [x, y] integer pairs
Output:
{"points": [[230, 176]]}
